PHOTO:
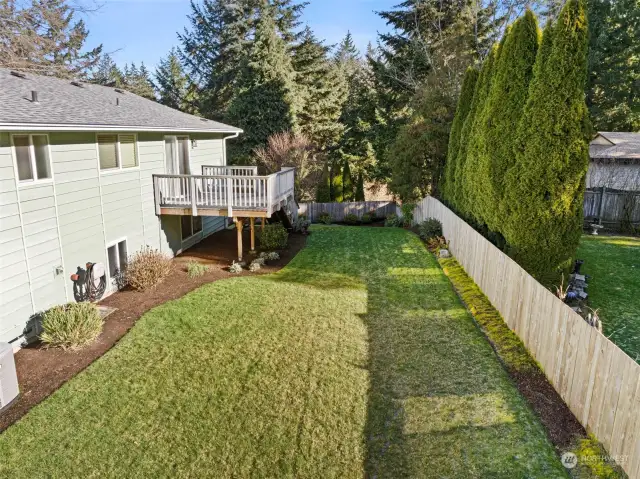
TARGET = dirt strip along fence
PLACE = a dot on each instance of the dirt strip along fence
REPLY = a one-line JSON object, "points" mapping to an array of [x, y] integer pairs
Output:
{"points": [[596, 379], [612, 208], [339, 210]]}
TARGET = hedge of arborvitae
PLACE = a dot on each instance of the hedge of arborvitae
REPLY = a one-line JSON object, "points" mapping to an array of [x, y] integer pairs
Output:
{"points": [[464, 106], [517, 166], [323, 193], [347, 183]]}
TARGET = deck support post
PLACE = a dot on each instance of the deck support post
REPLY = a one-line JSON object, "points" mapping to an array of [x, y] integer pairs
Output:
{"points": [[239, 225], [252, 223]]}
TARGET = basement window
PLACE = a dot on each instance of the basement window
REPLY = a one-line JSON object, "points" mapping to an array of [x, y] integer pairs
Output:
{"points": [[117, 257], [117, 152], [31, 153]]}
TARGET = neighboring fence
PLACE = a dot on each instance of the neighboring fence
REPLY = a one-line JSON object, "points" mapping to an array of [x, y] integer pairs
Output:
{"points": [[597, 380], [339, 210], [612, 207]]}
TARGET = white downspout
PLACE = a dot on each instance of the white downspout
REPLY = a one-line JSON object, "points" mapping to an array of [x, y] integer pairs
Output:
{"points": [[224, 146]]}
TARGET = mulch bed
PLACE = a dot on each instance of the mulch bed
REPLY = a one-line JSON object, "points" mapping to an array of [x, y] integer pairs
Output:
{"points": [[41, 371]]}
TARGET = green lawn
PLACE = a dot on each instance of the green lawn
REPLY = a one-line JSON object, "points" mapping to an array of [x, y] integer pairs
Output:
{"points": [[613, 262], [355, 360]]}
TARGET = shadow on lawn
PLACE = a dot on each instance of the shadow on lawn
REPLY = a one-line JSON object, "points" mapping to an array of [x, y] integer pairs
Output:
{"points": [[439, 404]]}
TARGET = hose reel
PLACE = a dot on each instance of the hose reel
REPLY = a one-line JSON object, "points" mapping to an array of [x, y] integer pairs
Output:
{"points": [[89, 284]]}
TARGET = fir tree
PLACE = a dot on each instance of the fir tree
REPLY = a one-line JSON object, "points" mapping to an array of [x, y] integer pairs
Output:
{"points": [[266, 102], [613, 90], [106, 72], [175, 89], [505, 104], [321, 90], [462, 110], [323, 193], [463, 178], [545, 188], [336, 185], [46, 38], [137, 80], [347, 183], [360, 188]]}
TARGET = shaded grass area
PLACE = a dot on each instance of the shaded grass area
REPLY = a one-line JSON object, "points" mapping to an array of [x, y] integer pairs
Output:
{"points": [[355, 360], [613, 262], [563, 428]]}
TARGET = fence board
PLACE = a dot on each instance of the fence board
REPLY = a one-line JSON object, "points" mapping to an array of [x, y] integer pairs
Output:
{"points": [[597, 380], [617, 205], [339, 210]]}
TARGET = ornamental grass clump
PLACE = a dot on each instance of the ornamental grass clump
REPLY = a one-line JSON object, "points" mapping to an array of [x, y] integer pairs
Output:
{"points": [[147, 268], [71, 326], [195, 269]]}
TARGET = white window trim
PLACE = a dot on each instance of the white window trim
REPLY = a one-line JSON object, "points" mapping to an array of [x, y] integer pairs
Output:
{"points": [[175, 158], [32, 158], [107, 265], [119, 168], [193, 235]]}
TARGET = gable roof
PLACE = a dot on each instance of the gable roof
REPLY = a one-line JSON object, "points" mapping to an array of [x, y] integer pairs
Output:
{"points": [[63, 106], [619, 146]]}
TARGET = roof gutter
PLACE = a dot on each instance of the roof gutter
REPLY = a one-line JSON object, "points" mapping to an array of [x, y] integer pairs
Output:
{"points": [[66, 127]]}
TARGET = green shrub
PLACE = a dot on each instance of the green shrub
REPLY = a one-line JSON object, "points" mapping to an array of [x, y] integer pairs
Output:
{"points": [[235, 268], [270, 256], [351, 219], [393, 221], [407, 214], [147, 268], [430, 228], [195, 269], [71, 326], [336, 185], [325, 218], [301, 225], [366, 218], [273, 236], [347, 183]]}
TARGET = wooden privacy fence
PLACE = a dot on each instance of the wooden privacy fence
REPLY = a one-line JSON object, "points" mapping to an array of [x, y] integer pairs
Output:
{"points": [[612, 207], [596, 379], [339, 210]]}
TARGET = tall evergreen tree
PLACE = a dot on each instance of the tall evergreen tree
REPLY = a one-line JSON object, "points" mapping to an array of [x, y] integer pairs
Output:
{"points": [[46, 38], [463, 173], [613, 90], [323, 193], [175, 89], [545, 188], [347, 183], [462, 110], [505, 104], [138, 81], [106, 72], [336, 184], [359, 196], [321, 90], [266, 102]]}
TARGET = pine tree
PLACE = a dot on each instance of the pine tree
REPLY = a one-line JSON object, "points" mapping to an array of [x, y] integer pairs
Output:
{"points": [[360, 188], [545, 188], [462, 110], [504, 107], [323, 193], [266, 102], [45, 38], [175, 89], [613, 90], [347, 183], [463, 178], [336, 185], [321, 90]]}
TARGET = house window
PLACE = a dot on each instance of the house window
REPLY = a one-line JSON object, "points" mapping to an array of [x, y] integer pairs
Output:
{"points": [[32, 157], [191, 225], [117, 151], [117, 257]]}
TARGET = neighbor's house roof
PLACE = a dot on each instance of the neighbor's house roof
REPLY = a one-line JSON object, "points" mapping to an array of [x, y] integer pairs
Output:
{"points": [[63, 106], [615, 145]]}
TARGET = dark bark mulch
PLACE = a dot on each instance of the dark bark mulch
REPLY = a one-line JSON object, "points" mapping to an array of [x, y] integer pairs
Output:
{"points": [[41, 371]]}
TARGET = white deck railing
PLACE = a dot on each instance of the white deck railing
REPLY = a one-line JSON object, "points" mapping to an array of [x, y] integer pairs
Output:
{"points": [[245, 192], [229, 170]]}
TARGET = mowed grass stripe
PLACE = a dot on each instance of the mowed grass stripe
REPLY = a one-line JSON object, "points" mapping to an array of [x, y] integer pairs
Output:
{"points": [[355, 360]]}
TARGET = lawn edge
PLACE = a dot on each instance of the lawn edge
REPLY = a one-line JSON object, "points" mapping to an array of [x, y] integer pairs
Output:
{"points": [[518, 363]]}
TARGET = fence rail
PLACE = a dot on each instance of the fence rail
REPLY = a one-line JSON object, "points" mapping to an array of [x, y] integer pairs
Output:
{"points": [[612, 207], [339, 210], [596, 379]]}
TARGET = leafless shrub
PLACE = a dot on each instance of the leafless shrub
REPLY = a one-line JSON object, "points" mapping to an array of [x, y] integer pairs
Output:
{"points": [[147, 268], [292, 149]]}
